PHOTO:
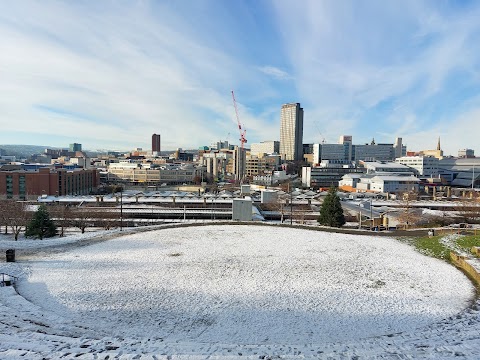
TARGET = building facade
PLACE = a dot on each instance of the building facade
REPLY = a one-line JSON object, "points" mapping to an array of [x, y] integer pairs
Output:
{"points": [[142, 173], [374, 152], [423, 165], [334, 152], [323, 177], [28, 185], [265, 147], [291, 132], [394, 184]]}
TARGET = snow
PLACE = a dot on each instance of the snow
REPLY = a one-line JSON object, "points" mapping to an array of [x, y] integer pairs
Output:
{"points": [[230, 290], [8, 241]]}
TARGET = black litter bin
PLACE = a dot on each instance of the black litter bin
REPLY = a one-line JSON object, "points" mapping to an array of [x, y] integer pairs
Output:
{"points": [[10, 253]]}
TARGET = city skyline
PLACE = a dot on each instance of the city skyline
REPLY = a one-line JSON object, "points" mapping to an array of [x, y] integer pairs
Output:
{"points": [[109, 75]]}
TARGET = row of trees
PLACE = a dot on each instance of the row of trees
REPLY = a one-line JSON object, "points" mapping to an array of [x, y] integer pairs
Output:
{"points": [[464, 210], [17, 217]]}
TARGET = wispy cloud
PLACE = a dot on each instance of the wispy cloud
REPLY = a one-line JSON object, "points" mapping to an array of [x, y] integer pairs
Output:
{"points": [[126, 68], [275, 72], [362, 60]]}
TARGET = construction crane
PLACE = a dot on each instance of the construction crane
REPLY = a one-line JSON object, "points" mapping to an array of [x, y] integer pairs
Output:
{"points": [[318, 129], [243, 132]]}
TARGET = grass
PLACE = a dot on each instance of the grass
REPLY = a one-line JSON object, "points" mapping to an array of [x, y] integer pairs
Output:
{"points": [[432, 246], [468, 241]]}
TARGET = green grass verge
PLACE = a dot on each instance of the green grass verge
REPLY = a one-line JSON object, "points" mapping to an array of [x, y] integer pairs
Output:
{"points": [[468, 241], [431, 246]]}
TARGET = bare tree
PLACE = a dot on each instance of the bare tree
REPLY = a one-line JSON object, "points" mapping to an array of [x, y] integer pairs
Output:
{"points": [[4, 210], [81, 219], [106, 218], [62, 216], [18, 217], [468, 210], [408, 216]]}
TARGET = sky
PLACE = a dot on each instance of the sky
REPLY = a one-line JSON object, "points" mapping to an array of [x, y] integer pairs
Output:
{"points": [[108, 74]]}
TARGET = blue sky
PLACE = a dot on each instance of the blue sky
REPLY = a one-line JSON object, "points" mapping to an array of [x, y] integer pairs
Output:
{"points": [[108, 74]]}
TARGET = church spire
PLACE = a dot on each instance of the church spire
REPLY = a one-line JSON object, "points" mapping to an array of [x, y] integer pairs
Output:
{"points": [[438, 145]]}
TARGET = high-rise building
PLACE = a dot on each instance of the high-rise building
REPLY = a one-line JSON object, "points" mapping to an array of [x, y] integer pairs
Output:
{"points": [[291, 132], [75, 147], [400, 149], [239, 159], [155, 143]]}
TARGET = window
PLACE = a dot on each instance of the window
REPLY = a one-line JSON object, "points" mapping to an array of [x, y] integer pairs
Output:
{"points": [[9, 180], [22, 187]]}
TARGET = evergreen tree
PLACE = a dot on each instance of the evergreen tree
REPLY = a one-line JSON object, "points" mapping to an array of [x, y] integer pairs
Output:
{"points": [[331, 212], [41, 225]]}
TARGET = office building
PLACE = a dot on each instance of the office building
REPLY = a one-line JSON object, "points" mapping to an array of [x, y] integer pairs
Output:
{"points": [[291, 132], [239, 160], [156, 144], [373, 152], [28, 185], [466, 153], [75, 147], [220, 145], [426, 166], [334, 151], [265, 147]]}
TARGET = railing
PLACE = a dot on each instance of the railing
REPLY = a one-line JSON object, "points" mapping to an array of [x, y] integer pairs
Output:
{"points": [[7, 279]]}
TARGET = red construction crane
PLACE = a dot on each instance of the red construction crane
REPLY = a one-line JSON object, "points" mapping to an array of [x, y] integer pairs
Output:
{"points": [[242, 139]]}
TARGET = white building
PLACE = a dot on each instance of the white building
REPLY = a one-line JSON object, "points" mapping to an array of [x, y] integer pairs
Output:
{"points": [[379, 167], [423, 165], [265, 147], [270, 179], [219, 145], [394, 184], [350, 180], [143, 173]]}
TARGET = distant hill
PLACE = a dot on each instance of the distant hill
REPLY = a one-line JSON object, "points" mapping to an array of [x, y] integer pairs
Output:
{"points": [[23, 151]]}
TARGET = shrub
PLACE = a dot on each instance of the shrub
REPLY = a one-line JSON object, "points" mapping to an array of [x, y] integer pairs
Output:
{"points": [[41, 225], [331, 212]]}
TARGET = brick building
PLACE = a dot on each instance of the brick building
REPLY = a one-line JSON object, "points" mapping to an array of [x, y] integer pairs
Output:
{"points": [[28, 185]]}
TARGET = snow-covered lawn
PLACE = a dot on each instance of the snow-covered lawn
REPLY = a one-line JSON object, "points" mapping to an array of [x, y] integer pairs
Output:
{"points": [[250, 290]]}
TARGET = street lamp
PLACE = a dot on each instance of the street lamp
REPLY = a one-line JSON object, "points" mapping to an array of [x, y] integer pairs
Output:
{"points": [[473, 176], [371, 214], [121, 209]]}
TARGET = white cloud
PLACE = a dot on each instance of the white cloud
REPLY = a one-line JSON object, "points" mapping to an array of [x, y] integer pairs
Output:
{"points": [[275, 72], [131, 69], [352, 60]]}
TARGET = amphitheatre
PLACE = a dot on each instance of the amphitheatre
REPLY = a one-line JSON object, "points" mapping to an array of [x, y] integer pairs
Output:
{"points": [[234, 291]]}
